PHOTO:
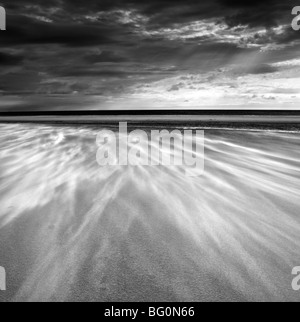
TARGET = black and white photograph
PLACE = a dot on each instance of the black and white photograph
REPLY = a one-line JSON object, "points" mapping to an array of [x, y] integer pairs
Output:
{"points": [[149, 153]]}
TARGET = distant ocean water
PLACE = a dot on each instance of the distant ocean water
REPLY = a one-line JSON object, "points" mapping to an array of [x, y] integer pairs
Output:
{"points": [[71, 230]]}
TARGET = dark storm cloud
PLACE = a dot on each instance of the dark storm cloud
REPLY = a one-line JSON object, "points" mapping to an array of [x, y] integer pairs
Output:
{"points": [[70, 25], [10, 60], [119, 42], [266, 13], [271, 10], [24, 30], [288, 36], [101, 73], [105, 56]]}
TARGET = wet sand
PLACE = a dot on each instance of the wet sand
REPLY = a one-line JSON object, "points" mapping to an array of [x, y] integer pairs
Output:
{"points": [[155, 118], [71, 230]]}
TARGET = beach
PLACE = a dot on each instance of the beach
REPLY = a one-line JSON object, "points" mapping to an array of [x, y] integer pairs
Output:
{"points": [[71, 230]]}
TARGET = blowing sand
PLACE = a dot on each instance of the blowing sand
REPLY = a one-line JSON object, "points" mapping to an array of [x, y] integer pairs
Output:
{"points": [[71, 230]]}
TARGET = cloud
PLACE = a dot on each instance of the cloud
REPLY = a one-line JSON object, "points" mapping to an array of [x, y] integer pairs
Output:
{"points": [[105, 56], [256, 69], [20, 81], [10, 59], [124, 50], [288, 63], [24, 30]]}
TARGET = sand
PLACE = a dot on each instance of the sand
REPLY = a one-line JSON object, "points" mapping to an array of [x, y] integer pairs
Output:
{"points": [[71, 230]]}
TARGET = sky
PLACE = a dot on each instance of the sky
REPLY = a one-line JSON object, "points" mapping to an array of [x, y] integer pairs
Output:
{"points": [[159, 54]]}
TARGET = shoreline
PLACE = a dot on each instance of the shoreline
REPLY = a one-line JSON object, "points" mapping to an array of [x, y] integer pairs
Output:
{"points": [[242, 125]]}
